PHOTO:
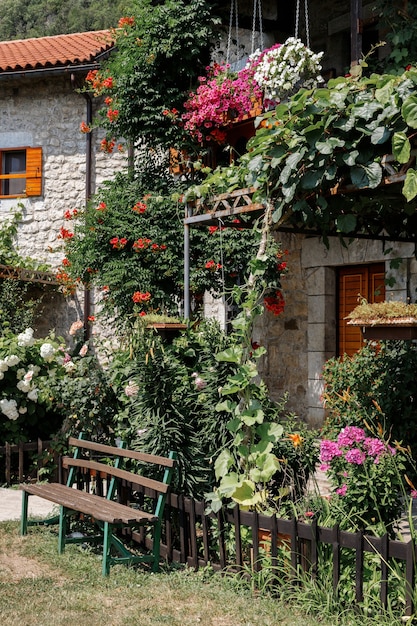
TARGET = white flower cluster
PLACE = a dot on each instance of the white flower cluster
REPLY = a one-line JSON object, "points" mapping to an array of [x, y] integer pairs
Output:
{"points": [[9, 408], [26, 338], [9, 361], [47, 352], [25, 383], [283, 68], [132, 389]]}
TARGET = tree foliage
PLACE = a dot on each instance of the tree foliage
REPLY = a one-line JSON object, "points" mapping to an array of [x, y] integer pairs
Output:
{"points": [[160, 51], [39, 18]]}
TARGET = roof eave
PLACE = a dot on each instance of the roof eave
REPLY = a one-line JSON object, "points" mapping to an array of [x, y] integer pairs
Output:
{"points": [[44, 71]]}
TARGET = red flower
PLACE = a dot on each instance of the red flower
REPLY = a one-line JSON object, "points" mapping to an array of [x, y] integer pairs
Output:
{"points": [[65, 234], [108, 82], [117, 243], [281, 266], [84, 128], [65, 262], [275, 303], [112, 115], [91, 318], [107, 145], [101, 207], [140, 207], [126, 21], [210, 265], [108, 101], [212, 229], [139, 296]]}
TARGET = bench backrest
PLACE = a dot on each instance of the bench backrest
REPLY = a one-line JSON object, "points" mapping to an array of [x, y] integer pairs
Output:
{"points": [[116, 472]]}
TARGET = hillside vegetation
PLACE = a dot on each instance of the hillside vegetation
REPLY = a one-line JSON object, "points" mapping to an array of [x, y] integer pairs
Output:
{"points": [[21, 19]]}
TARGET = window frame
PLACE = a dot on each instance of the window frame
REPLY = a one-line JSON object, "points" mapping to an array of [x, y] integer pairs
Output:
{"points": [[32, 174]]}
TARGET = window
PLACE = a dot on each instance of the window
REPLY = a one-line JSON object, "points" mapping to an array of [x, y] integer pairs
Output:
{"points": [[20, 172]]}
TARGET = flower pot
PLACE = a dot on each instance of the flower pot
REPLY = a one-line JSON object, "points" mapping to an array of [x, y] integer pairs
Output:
{"points": [[389, 332], [168, 330]]}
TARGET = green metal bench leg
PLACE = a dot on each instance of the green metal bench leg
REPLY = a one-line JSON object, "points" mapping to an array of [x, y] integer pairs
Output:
{"points": [[156, 546], [107, 539], [62, 529], [24, 517]]}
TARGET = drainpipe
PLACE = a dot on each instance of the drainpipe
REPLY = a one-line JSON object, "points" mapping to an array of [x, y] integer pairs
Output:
{"points": [[88, 193]]}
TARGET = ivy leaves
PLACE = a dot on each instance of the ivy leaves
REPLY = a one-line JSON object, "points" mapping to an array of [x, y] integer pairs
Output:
{"points": [[312, 153]]}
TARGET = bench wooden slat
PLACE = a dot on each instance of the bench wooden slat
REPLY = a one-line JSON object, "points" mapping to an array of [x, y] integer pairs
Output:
{"points": [[129, 454], [131, 477], [90, 504]]}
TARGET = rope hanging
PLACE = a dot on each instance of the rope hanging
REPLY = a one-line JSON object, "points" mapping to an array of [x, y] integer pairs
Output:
{"points": [[257, 13], [306, 20], [233, 15]]}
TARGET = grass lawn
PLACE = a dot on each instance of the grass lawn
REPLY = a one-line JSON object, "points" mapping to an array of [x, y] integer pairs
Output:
{"points": [[39, 587]]}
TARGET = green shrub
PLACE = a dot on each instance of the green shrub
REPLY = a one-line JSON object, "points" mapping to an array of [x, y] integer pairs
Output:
{"points": [[376, 386]]}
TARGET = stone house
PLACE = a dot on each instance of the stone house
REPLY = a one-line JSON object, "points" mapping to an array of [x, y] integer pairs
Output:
{"points": [[47, 166]]}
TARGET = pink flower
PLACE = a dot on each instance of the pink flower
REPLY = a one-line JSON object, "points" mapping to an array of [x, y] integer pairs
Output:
{"points": [[341, 491], [329, 450], [355, 456], [350, 435]]}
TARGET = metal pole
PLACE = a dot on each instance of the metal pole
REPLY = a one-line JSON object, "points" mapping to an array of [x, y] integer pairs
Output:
{"points": [[187, 264], [355, 31]]}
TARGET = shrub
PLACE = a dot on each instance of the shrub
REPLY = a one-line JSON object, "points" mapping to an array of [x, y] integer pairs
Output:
{"points": [[367, 475], [377, 385], [26, 367]]}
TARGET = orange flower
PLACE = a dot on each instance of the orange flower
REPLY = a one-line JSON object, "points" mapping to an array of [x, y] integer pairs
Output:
{"points": [[296, 439]]}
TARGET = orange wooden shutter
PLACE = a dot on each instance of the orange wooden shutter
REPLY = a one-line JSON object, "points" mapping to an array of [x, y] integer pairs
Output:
{"points": [[34, 171], [355, 282]]}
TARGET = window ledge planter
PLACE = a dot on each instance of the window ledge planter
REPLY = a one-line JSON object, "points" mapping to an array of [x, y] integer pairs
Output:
{"points": [[385, 320]]}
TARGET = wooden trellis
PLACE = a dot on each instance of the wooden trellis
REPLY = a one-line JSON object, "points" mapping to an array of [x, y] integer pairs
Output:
{"points": [[26, 275]]}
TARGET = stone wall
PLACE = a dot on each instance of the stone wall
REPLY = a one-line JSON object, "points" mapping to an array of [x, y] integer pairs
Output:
{"points": [[47, 113]]}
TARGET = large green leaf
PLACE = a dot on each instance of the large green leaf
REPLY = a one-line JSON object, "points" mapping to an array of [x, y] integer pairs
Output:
{"points": [[410, 185], [409, 111], [401, 147], [230, 355], [329, 145], [270, 431], [346, 223], [266, 466], [222, 464], [246, 495], [366, 175], [380, 135]]}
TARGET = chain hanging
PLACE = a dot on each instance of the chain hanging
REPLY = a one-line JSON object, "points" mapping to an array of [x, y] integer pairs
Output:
{"points": [[306, 19], [233, 14], [257, 12]]}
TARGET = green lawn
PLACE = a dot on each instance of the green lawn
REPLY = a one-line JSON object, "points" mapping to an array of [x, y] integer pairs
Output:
{"points": [[39, 587]]}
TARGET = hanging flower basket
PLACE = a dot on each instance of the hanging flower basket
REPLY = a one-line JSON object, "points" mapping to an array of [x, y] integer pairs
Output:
{"points": [[224, 97]]}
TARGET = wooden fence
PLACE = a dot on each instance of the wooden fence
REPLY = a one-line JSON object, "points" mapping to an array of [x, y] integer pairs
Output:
{"points": [[199, 539], [25, 461], [236, 540]]}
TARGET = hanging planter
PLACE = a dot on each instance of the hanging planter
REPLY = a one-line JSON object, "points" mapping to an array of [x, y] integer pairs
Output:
{"points": [[224, 98], [385, 320]]}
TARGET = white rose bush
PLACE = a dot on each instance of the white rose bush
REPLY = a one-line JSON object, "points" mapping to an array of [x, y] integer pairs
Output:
{"points": [[28, 368]]}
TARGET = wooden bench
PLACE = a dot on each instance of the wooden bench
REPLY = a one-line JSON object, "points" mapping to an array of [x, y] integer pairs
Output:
{"points": [[91, 490]]}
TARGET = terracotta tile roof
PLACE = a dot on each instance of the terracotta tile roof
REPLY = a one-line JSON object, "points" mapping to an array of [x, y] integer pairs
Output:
{"points": [[57, 51]]}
